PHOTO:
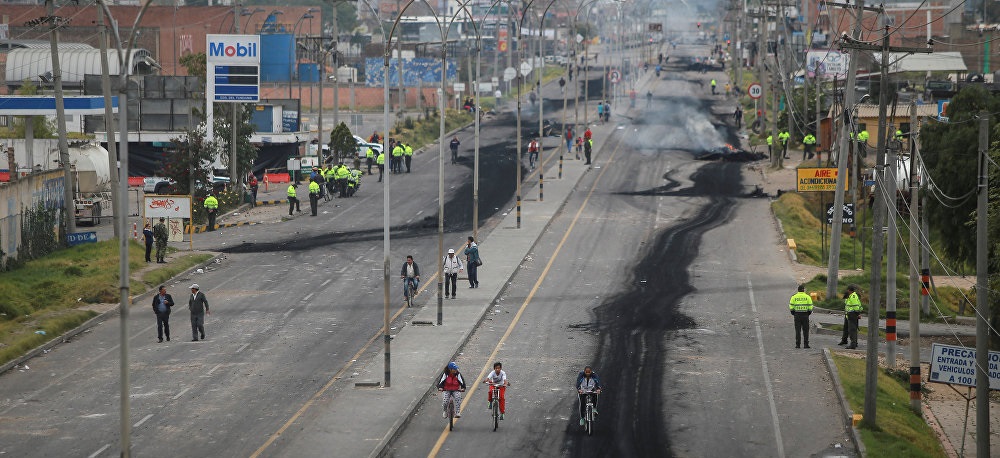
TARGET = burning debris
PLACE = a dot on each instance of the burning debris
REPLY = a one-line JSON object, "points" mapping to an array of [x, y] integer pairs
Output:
{"points": [[729, 153]]}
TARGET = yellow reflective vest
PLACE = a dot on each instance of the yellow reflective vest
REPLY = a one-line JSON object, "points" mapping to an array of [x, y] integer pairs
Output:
{"points": [[800, 302], [211, 203], [291, 190], [853, 303], [380, 160]]}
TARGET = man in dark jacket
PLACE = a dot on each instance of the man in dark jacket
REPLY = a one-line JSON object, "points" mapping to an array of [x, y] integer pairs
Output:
{"points": [[410, 273], [198, 305], [161, 307]]}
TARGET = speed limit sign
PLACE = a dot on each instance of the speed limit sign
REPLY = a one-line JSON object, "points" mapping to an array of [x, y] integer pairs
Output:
{"points": [[755, 90]]}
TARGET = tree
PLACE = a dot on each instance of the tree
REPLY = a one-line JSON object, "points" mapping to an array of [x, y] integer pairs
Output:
{"points": [[342, 143], [189, 159], [246, 152], [41, 127], [951, 152], [196, 64]]}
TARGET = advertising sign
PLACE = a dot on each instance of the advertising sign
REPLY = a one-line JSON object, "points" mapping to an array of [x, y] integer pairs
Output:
{"points": [[957, 366], [818, 179], [942, 111], [79, 238], [847, 214], [828, 64], [233, 66], [502, 39]]}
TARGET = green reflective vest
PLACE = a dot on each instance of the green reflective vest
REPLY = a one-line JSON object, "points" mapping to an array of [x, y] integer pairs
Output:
{"points": [[397, 151], [380, 160], [211, 203], [853, 303], [809, 140], [313, 187], [370, 154], [291, 190], [800, 302], [408, 150], [770, 140]]}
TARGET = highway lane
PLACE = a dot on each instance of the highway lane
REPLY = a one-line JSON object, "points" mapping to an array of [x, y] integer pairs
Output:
{"points": [[293, 305], [673, 285]]}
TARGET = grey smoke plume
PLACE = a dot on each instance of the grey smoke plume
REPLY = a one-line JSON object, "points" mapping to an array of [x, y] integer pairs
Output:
{"points": [[682, 123]]}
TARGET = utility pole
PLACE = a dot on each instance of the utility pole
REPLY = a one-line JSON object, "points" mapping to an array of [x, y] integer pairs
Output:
{"points": [[233, 166], [982, 296], [69, 208], [892, 234], [914, 260], [109, 117]]}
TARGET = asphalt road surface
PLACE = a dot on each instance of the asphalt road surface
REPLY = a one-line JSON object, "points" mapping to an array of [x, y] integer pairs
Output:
{"points": [[665, 275], [658, 271]]}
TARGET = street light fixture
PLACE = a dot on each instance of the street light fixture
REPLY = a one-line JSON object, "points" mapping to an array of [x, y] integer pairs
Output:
{"points": [[250, 13]]}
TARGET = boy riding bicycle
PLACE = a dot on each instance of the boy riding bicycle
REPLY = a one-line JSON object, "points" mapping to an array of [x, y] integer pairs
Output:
{"points": [[451, 384], [498, 378], [587, 383]]}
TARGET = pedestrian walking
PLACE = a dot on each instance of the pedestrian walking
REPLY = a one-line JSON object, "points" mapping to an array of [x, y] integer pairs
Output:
{"points": [[649, 99], [801, 306], [451, 266], [161, 234], [147, 234], [600, 111], [809, 145], [211, 209], [454, 149], [852, 311], [198, 305], [579, 147], [161, 307], [713, 86], [293, 201], [783, 138], [254, 186], [473, 260], [738, 116], [569, 139]]}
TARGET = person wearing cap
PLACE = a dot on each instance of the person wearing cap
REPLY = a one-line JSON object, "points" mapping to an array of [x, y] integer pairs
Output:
{"points": [[161, 235], [852, 310], [472, 259], [211, 209], [293, 201], [198, 305], [451, 267], [801, 306]]}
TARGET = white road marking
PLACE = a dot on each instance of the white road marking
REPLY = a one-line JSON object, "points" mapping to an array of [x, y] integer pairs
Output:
{"points": [[140, 422], [342, 270], [419, 212], [289, 312], [244, 347], [214, 368], [767, 375], [328, 280], [101, 450], [358, 258], [178, 395], [308, 296]]}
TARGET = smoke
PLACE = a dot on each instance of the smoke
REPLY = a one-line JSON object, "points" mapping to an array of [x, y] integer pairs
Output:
{"points": [[681, 123]]}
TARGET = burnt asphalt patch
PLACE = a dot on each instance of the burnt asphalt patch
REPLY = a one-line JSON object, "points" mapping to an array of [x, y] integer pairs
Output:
{"points": [[633, 326]]}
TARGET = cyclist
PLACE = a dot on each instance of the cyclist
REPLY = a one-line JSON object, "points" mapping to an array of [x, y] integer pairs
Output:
{"points": [[410, 274], [587, 382], [532, 152], [498, 377], [451, 384]]}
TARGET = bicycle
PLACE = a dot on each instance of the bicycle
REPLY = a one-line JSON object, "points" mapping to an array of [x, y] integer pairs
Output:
{"points": [[327, 194], [495, 404], [589, 413], [408, 291], [451, 410]]}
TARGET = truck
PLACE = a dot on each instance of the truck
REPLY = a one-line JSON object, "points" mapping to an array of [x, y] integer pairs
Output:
{"points": [[92, 177]]}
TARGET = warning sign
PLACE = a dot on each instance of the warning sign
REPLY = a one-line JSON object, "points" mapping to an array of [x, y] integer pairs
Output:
{"points": [[957, 366], [818, 179]]}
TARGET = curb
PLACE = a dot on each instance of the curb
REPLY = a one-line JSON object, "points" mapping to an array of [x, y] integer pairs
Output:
{"points": [[204, 228], [844, 406], [65, 337]]}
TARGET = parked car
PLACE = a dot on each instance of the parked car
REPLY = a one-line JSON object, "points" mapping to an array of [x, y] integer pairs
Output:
{"points": [[162, 185]]}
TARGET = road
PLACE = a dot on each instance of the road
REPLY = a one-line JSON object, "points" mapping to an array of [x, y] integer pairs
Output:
{"points": [[658, 271], [663, 275]]}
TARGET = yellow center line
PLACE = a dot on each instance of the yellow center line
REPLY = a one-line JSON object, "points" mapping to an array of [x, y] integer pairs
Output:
{"points": [[329, 384], [517, 317]]}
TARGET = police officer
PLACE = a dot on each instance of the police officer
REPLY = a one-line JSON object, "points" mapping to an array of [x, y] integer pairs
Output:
{"points": [[380, 162], [770, 143], [160, 234], [713, 86], [314, 191], [783, 138], [369, 159], [342, 174], [809, 141], [408, 156], [211, 209], [588, 147], [863, 143], [293, 201], [801, 306], [853, 309], [397, 158]]}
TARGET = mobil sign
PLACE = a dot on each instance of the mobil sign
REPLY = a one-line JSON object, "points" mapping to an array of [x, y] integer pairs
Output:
{"points": [[233, 68], [233, 49]]}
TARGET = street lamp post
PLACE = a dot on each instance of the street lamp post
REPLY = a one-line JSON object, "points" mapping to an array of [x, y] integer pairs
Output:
{"points": [[295, 34], [124, 59]]}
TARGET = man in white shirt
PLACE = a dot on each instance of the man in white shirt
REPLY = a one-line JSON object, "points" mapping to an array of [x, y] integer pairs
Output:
{"points": [[451, 266]]}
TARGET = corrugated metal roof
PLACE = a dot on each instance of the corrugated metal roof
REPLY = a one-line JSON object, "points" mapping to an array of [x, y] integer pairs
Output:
{"points": [[935, 62], [870, 110], [29, 63], [6, 45]]}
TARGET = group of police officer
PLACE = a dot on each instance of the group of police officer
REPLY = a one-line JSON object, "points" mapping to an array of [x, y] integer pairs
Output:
{"points": [[801, 306], [326, 179]]}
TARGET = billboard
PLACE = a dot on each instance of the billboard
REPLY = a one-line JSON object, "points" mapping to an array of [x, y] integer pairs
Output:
{"points": [[829, 64], [812, 179]]}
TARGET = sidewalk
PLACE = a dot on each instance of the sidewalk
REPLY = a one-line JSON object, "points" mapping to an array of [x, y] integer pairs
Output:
{"points": [[363, 422]]}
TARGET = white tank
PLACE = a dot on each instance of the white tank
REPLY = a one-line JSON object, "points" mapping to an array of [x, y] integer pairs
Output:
{"points": [[91, 165]]}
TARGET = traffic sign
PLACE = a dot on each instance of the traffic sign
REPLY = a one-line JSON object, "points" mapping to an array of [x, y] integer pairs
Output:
{"points": [[579, 38], [509, 73], [957, 366], [78, 238], [526, 68], [847, 215], [755, 90], [614, 76]]}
